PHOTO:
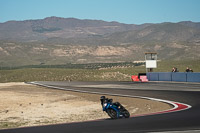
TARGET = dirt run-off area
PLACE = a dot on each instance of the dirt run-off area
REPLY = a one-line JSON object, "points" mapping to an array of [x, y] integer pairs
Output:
{"points": [[24, 105]]}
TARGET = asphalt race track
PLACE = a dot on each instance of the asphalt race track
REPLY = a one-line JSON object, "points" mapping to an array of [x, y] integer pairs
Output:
{"points": [[186, 120]]}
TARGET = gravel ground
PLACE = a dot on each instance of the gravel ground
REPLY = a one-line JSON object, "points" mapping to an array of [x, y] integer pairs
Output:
{"points": [[29, 105]]}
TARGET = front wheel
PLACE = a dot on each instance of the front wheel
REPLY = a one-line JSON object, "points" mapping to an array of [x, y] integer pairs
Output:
{"points": [[112, 113], [126, 114]]}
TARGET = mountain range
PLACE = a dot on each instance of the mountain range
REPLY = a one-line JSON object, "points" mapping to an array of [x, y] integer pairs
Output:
{"points": [[55, 40]]}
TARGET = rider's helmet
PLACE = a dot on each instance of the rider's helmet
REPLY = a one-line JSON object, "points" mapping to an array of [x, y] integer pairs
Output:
{"points": [[102, 97]]}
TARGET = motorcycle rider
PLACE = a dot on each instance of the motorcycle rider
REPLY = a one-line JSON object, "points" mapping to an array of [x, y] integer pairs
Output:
{"points": [[114, 110], [103, 100]]}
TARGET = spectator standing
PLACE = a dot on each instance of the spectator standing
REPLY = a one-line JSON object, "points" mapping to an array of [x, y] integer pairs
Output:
{"points": [[174, 69], [188, 70]]}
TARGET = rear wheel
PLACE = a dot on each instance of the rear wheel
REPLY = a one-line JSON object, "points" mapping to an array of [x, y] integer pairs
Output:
{"points": [[112, 113]]}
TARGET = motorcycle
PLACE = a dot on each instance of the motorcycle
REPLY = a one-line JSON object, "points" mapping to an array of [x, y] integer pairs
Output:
{"points": [[114, 110]]}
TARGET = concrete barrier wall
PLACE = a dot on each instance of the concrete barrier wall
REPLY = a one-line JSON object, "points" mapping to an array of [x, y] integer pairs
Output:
{"points": [[165, 76], [193, 77], [153, 77], [177, 76]]}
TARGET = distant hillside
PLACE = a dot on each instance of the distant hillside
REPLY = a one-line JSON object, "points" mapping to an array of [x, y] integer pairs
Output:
{"points": [[159, 33], [56, 40], [51, 27]]}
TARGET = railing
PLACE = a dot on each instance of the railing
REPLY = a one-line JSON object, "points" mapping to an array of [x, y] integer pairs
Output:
{"points": [[174, 76]]}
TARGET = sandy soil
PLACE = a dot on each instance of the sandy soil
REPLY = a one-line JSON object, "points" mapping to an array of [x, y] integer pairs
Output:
{"points": [[29, 105]]}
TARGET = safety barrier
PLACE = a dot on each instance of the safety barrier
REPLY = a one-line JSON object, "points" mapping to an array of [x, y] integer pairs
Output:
{"points": [[177, 76], [136, 78]]}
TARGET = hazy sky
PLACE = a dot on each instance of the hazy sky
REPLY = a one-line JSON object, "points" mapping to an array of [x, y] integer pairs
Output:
{"points": [[125, 11]]}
